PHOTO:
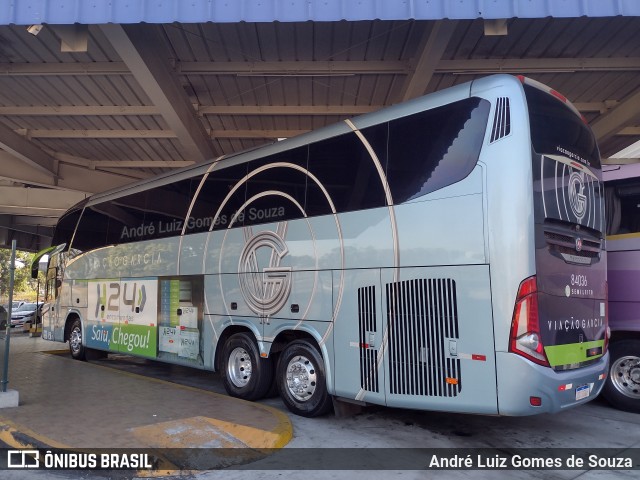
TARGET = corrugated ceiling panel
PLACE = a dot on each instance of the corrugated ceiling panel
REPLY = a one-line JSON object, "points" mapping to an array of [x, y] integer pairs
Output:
{"points": [[25, 12]]}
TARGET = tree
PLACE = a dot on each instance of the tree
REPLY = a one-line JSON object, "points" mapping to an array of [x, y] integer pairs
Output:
{"points": [[22, 273]]}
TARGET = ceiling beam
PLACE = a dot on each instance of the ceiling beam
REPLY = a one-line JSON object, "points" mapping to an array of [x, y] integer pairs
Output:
{"points": [[300, 69], [256, 133], [304, 68], [429, 54], [29, 220], [81, 110], [62, 69], [619, 161], [39, 202], [145, 54], [327, 110], [141, 134], [623, 115], [286, 109], [72, 177], [630, 131], [44, 229], [113, 110], [537, 65], [115, 164], [28, 153]]}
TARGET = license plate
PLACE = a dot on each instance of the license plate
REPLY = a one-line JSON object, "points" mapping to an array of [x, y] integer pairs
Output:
{"points": [[582, 392]]}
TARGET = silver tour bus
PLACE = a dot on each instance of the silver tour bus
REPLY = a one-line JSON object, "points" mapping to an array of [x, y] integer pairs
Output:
{"points": [[441, 254]]}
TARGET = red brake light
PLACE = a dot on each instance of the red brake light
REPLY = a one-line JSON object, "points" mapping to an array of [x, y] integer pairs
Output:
{"points": [[558, 95], [525, 339]]}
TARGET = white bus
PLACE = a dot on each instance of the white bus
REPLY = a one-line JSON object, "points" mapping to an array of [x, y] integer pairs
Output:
{"points": [[441, 254]]}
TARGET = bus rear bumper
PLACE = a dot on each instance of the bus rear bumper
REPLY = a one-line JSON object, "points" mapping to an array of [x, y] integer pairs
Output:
{"points": [[519, 381]]}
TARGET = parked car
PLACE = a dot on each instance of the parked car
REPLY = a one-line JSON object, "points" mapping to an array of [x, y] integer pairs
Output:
{"points": [[27, 313], [4, 315]]}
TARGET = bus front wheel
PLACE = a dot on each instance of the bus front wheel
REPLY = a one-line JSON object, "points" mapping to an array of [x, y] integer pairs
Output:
{"points": [[244, 373], [77, 350], [622, 388], [301, 380]]}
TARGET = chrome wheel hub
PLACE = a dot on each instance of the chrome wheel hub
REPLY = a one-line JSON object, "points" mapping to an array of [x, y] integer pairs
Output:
{"points": [[239, 367], [625, 376], [75, 340], [301, 378]]}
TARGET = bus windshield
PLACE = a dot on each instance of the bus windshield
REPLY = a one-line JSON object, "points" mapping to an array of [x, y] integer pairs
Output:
{"points": [[556, 130]]}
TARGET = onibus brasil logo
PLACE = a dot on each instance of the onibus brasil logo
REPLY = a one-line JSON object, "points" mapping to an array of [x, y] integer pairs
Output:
{"points": [[265, 285]]}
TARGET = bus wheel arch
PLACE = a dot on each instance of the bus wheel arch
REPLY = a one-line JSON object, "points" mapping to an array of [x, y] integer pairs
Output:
{"points": [[622, 387], [245, 374], [301, 378], [73, 333]]}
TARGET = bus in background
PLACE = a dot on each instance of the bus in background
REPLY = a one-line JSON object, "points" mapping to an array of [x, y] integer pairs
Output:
{"points": [[622, 198], [440, 254]]}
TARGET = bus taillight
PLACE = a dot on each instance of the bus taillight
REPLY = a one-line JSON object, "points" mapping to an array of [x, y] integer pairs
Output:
{"points": [[525, 337]]}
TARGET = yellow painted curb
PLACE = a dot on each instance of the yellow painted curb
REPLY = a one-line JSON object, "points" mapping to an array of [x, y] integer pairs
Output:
{"points": [[10, 433]]}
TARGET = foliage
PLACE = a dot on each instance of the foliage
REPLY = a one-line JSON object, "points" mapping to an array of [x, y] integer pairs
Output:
{"points": [[24, 287]]}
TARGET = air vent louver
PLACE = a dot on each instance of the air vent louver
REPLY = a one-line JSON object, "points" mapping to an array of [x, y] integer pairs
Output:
{"points": [[421, 315], [501, 120]]}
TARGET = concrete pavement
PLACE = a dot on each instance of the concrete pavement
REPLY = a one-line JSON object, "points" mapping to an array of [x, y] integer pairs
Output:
{"points": [[72, 404]]}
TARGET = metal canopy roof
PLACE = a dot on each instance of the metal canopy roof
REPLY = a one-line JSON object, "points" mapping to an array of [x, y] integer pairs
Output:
{"points": [[86, 108], [26, 12]]}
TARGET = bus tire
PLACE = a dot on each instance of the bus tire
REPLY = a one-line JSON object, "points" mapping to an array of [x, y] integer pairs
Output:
{"points": [[301, 380], [622, 388], [245, 374], [76, 348]]}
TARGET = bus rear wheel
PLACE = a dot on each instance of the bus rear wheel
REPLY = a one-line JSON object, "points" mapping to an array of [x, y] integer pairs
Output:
{"points": [[622, 388], [244, 373], [77, 350], [301, 380]]}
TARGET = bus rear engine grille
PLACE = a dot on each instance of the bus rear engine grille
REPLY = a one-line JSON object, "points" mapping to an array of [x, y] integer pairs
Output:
{"points": [[421, 315]]}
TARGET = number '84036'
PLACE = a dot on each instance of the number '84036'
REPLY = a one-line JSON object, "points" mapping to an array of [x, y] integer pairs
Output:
{"points": [[578, 280]]}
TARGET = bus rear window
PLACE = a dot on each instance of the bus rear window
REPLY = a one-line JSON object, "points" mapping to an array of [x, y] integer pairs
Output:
{"points": [[555, 129]]}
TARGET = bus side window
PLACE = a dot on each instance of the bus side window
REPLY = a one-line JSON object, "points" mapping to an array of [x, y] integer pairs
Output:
{"points": [[347, 173], [51, 290], [623, 208], [430, 150]]}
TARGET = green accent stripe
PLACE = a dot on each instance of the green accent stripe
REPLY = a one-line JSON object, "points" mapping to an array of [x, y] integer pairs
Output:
{"points": [[571, 352]]}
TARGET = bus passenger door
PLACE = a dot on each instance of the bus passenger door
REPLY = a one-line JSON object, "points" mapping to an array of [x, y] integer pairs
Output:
{"points": [[52, 289]]}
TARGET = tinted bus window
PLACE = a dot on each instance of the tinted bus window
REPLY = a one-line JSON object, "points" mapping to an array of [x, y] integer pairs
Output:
{"points": [[92, 229], [345, 169], [430, 150], [555, 129], [146, 215], [623, 207], [213, 196], [276, 188]]}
